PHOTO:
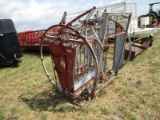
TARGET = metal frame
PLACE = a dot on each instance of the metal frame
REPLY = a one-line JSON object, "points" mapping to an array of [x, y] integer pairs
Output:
{"points": [[80, 52]]}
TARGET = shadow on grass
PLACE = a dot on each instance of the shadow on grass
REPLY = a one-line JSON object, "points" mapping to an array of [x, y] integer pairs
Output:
{"points": [[35, 52], [9, 65], [6, 66], [45, 101]]}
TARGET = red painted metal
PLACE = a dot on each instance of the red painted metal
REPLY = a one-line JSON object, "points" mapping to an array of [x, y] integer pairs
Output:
{"points": [[31, 39], [77, 18], [137, 47], [63, 58]]}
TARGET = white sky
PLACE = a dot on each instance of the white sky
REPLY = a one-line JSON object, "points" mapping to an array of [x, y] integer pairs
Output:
{"points": [[40, 14]]}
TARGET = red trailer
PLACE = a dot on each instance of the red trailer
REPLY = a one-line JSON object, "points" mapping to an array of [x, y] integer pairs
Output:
{"points": [[31, 39]]}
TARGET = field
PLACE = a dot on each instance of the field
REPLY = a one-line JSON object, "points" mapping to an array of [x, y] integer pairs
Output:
{"points": [[26, 93]]}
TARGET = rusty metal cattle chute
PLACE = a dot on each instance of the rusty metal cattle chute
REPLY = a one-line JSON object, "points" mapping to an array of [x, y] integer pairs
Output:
{"points": [[86, 52]]}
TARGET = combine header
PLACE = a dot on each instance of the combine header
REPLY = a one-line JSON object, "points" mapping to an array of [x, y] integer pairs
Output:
{"points": [[86, 52], [31, 40]]}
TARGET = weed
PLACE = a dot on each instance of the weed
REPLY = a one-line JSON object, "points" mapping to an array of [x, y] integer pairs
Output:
{"points": [[105, 111], [44, 117], [2, 113], [2, 117], [152, 70], [64, 108], [14, 110], [132, 117]]}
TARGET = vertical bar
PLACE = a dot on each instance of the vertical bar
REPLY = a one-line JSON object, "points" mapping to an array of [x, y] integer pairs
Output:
{"points": [[88, 58], [76, 63], [103, 31], [127, 26], [80, 55], [84, 56], [118, 51]]}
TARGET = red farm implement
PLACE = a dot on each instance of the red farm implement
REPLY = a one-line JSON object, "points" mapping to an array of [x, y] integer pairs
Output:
{"points": [[32, 39], [86, 52]]}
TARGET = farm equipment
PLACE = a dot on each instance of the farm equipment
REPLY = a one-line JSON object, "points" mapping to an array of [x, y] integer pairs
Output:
{"points": [[31, 40], [137, 47], [154, 16], [10, 50], [86, 52]]}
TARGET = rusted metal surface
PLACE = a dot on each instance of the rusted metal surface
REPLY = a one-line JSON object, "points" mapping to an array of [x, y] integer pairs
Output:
{"points": [[137, 47], [82, 54], [64, 57], [32, 39]]}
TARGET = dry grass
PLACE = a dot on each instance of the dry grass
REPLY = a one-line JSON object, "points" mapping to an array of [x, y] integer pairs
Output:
{"points": [[25, 92]]}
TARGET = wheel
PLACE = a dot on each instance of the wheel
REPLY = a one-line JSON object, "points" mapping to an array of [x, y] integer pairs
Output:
{"points": [[73, 57]]}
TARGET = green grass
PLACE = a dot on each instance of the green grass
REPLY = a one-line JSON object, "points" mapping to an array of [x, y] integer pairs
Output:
{"points": [[105, 111], [26, 93]]}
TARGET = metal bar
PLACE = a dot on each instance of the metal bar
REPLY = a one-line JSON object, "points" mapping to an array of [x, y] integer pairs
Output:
{"points": [[85, 22], [103, 31], [96, 36], [63, 20], [75, 19], [80, 52]]}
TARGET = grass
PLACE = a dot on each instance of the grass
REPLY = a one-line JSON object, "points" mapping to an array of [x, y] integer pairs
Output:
{"points": [[26, 93]]}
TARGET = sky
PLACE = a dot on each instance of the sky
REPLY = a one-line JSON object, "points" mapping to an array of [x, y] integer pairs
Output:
{"points": [[40, 14]]}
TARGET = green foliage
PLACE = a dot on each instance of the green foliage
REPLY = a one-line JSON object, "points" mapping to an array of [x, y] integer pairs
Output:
{"points": [[105, 111], [44, 117], [2, 117], [64, 108], [1, 113], [132, 117]]}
